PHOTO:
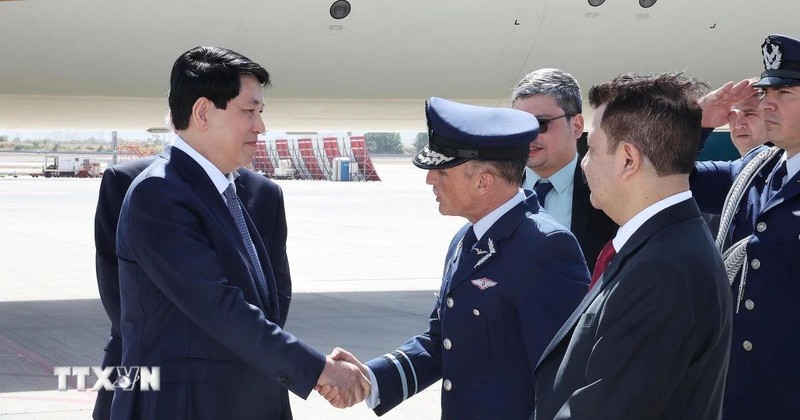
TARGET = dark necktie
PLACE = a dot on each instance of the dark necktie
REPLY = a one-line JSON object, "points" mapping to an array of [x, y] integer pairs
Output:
{"points": [[235, 207], [467, 243], [606, 255], [542, 188], [776, 182]]}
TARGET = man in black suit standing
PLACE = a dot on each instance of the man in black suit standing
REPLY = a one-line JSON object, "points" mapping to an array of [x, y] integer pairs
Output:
{"points": [[554, 97], [651, 340], [263, 200]]}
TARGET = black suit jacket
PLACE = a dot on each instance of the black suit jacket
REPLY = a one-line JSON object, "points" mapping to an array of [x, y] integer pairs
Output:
{"points": [[651, 340], [262, 199]]}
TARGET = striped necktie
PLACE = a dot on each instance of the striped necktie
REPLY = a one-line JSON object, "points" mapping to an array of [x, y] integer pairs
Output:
{"points": [[235, 207]]}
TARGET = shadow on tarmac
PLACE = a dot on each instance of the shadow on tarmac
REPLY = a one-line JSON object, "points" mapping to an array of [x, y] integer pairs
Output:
{"points": [[35, 336]]}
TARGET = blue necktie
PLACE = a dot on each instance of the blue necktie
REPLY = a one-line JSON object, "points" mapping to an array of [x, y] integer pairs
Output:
{"points": [[776, 182], [467, 242], [542, 188], [235, 207]]}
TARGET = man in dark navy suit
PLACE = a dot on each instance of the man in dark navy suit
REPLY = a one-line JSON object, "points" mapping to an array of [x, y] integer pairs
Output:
{"points": [[512, 274], [651, 339], [763, 244], [263, 200], [198, 295], [553, 170]]}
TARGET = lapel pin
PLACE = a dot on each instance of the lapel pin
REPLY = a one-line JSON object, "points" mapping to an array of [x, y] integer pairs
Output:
{"points": [[486, 254]]}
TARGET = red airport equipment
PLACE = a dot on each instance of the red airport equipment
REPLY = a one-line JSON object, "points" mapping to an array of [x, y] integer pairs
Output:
{"points": [[309, 158], [262, 161], [134, 151], [360, 154]]}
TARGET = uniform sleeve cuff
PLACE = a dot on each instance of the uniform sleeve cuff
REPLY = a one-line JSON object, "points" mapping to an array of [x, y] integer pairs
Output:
{"points": [[373, 400]]}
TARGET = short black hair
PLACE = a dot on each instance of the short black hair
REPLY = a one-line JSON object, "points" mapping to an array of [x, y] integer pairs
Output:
{"points": [[208, 72], [659, 114]]}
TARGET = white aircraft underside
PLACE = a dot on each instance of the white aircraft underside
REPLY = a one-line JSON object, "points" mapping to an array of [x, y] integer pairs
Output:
{"points": [[104, 64]]}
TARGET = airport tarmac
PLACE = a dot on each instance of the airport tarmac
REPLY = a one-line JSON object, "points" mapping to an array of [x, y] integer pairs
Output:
{"points": [[365, 258]]}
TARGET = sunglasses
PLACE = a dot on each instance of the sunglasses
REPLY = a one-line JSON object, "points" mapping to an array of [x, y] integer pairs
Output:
{"points": [[545, 122]]}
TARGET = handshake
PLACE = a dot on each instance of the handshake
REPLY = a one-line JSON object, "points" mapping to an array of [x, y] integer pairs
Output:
{"points": [[344, 381]]}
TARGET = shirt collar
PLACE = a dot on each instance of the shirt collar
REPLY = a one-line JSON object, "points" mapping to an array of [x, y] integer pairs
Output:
{"points": [[220, 180], [628, 229], [792, 165], [482, 226], [561, 179]]}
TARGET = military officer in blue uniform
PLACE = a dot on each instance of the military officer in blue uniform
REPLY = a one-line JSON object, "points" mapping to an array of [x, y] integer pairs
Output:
{"points": [[512, 275], [761, 245]]}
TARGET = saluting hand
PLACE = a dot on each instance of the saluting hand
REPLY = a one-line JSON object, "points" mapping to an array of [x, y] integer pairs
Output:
{"points": [[716, 104]]}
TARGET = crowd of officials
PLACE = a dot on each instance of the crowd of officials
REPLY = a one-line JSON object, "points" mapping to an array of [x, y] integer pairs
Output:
{"points": [[584, 285]]}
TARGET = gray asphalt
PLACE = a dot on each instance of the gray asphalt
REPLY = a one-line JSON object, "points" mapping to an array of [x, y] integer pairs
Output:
{"points": [[366, 259]]}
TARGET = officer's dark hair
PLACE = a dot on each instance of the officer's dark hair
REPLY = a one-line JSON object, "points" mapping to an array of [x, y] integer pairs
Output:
{"points": [[511, 171], [208, 72], [659, 114]]}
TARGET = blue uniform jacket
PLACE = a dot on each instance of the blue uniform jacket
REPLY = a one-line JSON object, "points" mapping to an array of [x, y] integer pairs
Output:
{"points": [[190, 305], [496, 312], [764, 373]]}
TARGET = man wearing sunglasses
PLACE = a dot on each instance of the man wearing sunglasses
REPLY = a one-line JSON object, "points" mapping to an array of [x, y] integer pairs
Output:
{"points": [[554, 97]]}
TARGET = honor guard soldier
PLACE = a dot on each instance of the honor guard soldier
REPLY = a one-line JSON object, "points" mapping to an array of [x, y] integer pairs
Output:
{"points": [[760, 239], [512, 275]]}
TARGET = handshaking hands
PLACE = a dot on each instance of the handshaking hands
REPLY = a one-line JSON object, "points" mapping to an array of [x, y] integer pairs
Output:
{"points": [[344, 381]]}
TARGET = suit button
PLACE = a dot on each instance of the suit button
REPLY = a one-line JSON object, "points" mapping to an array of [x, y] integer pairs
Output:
{"points": [[749, 304], [748, 346], [756, 264], [761, 227], [447, 344], [476, 312], [283, 379], [447, 385], [450, 302]]}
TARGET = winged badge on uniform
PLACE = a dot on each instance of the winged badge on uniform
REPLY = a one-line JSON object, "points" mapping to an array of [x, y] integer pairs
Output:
{"points": [[484, 283], [486, 254]]}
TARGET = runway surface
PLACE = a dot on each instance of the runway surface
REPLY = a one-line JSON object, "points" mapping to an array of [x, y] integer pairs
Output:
{"points": [[365, 258]]}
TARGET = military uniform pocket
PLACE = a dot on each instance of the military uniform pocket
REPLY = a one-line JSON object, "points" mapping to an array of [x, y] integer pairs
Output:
{"points": [[484, 330]]}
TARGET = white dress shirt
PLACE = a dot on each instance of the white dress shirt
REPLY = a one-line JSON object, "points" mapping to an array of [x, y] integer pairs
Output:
{"points": [[628, 229], [220, 180]]}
